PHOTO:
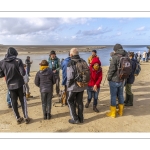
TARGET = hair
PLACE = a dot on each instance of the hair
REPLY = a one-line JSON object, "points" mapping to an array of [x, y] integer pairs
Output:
{"points": [[44, 63], [74, 51], [131, 54]]}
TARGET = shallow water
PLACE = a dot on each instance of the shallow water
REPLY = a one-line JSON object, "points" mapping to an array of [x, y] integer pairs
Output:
{"points": [[104, 55]]}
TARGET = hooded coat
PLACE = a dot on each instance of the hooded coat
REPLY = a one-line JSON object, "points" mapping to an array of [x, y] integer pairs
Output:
{"points": [[113, 68], [12, 68], [95, 76]]}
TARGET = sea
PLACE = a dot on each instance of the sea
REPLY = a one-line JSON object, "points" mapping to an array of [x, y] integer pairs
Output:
{"points": [[104, 55]]}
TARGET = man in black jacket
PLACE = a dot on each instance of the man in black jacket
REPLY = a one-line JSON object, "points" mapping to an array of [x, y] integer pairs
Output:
{"points": [[12, 68], [116, 85]]}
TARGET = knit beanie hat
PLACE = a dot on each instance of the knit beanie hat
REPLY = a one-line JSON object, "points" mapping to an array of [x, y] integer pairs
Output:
{"points": [[117, 46]]}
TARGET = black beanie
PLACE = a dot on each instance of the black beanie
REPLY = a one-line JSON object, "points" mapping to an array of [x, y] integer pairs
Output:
{"points": [[94, 51], [12, 52], [117, 46], [52, 52]]}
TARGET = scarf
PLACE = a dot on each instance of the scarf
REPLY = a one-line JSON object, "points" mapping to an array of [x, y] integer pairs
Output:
{"points": [[43, 67]]}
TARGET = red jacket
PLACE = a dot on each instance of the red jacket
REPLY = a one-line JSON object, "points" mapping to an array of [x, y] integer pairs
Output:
{"points": [[95, 76]]}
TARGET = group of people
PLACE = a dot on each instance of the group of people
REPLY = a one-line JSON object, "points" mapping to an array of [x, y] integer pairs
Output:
{"points": [[144, 56], [77, 76]]}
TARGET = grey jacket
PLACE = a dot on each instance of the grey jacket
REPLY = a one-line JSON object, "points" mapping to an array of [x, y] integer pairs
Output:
{"points": [[113, 68], [45, 80], [71, 84]]}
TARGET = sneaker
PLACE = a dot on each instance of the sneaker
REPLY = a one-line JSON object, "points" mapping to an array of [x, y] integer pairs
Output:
{"points": [[73, 121], [27, 120], [9, 106], [19, 121]]}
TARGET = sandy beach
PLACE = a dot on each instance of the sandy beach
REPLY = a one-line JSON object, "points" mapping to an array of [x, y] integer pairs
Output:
{"points": [[135, 119]]}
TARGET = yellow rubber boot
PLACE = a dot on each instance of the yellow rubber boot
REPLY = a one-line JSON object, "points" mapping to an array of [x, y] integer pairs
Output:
{"points": [[112, 112], [120, 111]]}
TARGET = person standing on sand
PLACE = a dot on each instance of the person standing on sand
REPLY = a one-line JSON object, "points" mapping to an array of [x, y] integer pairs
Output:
{"points": [[94, 83], [144, 56], [64, 73], [12, 68], [55, 66], [94, 54], [129, 95], [45, 79], [28, 63], [75, 92], [116, 85]]}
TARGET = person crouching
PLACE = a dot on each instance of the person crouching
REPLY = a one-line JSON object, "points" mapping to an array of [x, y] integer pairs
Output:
{"points": [[44, 79], [94, 83]]}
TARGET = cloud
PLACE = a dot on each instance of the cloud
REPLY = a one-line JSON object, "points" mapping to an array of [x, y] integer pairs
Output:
{"points": [[140, 28], [73, 37], [119, 33]]}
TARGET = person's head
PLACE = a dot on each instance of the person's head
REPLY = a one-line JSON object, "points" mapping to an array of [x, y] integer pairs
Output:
{"points": [[52, 54], [44, 63], [12, 52], [94, 52], [131, 55], [28, 57], [73, 52], [96, 63], [117, 46]]}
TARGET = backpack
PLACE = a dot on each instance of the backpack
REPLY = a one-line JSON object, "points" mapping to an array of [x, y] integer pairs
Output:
{"points": [[137, 69], [124, 68], [82, 73]]}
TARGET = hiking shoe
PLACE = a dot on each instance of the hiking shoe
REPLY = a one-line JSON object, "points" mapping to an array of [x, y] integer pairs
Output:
{"points": [[9, 106], [95, 109], [27, 120], [73, 121], [19, 120]]}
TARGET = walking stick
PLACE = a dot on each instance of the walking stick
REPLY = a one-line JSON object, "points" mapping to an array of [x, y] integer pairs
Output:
{"points": [[105, 78]]}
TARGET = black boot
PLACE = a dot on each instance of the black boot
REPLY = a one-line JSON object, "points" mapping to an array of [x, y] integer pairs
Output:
{"points": [[45, 116], [48, 116], [95, 109], [130, 102], [127, 98]]}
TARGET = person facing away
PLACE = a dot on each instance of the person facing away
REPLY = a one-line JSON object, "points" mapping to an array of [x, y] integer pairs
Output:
{"points": [[116, 85], [64, 73], [94, 54], [12, 68], [74, 91], [45, 79], [144, 56], [28, 63], [55, 66], [26, 81], [94, 83], [129, 95]]}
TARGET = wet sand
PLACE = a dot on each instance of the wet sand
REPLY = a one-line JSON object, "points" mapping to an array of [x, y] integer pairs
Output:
{"points": [[135, 119]]}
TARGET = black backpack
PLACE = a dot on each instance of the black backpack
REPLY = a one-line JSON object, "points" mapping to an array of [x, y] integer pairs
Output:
{"points": [[137, 69], [124, 67], [82, 73]]}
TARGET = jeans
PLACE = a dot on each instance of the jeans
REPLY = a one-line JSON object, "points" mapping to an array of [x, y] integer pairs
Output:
{"points": [[8, 98], [116, 89], [46, 102], [93, 94]]}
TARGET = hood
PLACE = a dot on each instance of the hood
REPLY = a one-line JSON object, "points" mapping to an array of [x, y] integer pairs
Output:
{"points": [[11, 54], [95, 60], [45, 72], [75, 57], [121, 52]]}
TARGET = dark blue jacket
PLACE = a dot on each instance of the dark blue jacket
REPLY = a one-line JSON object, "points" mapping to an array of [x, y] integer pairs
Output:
{"points": [[64, 70], [131, 78]]}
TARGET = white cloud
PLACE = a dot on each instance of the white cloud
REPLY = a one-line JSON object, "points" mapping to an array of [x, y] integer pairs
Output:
{"points": [[73, 37], [119, 33], [140, 28], [99, 28]]}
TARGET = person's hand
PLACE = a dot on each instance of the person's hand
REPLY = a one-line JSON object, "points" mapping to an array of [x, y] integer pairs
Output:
{"points": [[95, 88], [54, 71]]}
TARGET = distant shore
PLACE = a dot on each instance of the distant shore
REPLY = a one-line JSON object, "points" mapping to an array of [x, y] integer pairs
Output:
{"points": [[46, 49]]}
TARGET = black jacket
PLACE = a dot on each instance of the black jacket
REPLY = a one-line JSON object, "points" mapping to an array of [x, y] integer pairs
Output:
{"points": [[28, 63], [131, 78], [113, 68], [12, 68], [45, 80]]}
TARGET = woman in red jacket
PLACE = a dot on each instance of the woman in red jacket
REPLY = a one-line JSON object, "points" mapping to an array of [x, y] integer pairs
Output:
{"points": [[94, 83]]}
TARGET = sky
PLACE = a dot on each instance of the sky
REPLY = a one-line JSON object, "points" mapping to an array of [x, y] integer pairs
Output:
{"points": [[74, 31]]}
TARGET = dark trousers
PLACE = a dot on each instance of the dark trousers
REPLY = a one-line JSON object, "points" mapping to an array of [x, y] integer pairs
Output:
{"points": [[14, 95], [73, 98], [46, 102], [57, 84], [28, 70]]}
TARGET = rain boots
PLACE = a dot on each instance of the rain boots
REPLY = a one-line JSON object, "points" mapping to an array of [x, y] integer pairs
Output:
{"points": [[112, 112], [130, 100], [120, 111], [127, 98]]}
